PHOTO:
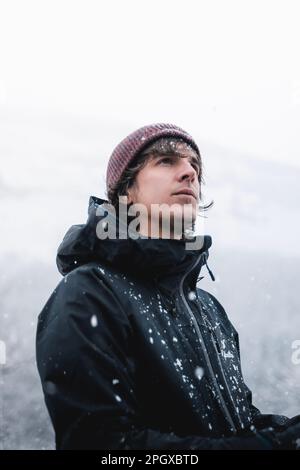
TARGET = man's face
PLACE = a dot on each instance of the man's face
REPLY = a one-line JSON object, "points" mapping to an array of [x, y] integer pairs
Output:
{"points": [[169, 179]]}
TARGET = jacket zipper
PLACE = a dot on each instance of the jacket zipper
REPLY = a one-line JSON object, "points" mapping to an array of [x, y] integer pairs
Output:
{"points": [[200, 337]]}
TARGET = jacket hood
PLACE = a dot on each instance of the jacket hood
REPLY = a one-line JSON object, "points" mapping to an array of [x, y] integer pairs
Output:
{"points": [[145, 257]]}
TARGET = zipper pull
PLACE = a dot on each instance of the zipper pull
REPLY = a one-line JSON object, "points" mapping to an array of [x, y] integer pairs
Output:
{"points": [[210, 272]]}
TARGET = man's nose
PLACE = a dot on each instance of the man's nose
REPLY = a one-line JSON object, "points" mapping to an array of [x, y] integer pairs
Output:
{"points": [[187, 171]]}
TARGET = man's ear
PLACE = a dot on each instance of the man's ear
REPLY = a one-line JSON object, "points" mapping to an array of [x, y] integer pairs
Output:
{"points": [[129, 197], [129, 194]]}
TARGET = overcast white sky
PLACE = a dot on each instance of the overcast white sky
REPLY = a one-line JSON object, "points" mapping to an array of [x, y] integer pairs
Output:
{"points": [[227, 71]]}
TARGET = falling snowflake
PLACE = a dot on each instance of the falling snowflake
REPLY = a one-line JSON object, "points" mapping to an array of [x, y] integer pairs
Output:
{"points": [[94, 321], [192, 295], [199, 372]]}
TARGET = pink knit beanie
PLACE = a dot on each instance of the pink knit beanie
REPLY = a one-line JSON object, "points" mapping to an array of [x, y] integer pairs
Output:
{"points": [[137, 141]]}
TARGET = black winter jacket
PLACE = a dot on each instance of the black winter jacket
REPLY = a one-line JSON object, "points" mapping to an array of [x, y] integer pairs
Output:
{"points": [[133, 355]]}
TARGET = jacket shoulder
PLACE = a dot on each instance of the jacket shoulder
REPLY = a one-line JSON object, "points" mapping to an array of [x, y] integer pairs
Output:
{"points": [[83, 293]]}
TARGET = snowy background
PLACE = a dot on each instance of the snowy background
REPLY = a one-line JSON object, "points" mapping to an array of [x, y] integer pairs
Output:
{"points": [[76, 78]]}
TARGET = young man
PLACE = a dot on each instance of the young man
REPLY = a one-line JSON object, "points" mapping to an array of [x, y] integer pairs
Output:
{"points": [[132, 354]]}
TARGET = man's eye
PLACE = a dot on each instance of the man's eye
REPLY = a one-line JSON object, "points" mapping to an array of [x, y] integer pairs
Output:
{"points": [[165, 160]]}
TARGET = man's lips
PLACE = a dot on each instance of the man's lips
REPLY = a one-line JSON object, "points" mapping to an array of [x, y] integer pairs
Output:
{"points": [[186, 191]]}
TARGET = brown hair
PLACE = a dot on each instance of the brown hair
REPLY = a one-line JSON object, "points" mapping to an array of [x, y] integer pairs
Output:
{"points": [[162, 146]]}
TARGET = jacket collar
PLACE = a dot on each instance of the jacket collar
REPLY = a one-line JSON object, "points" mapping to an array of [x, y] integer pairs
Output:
{"points": [[163, 260]]}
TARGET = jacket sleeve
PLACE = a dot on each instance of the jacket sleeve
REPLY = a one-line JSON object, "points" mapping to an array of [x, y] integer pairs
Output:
{"points": [[87, 368]]}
